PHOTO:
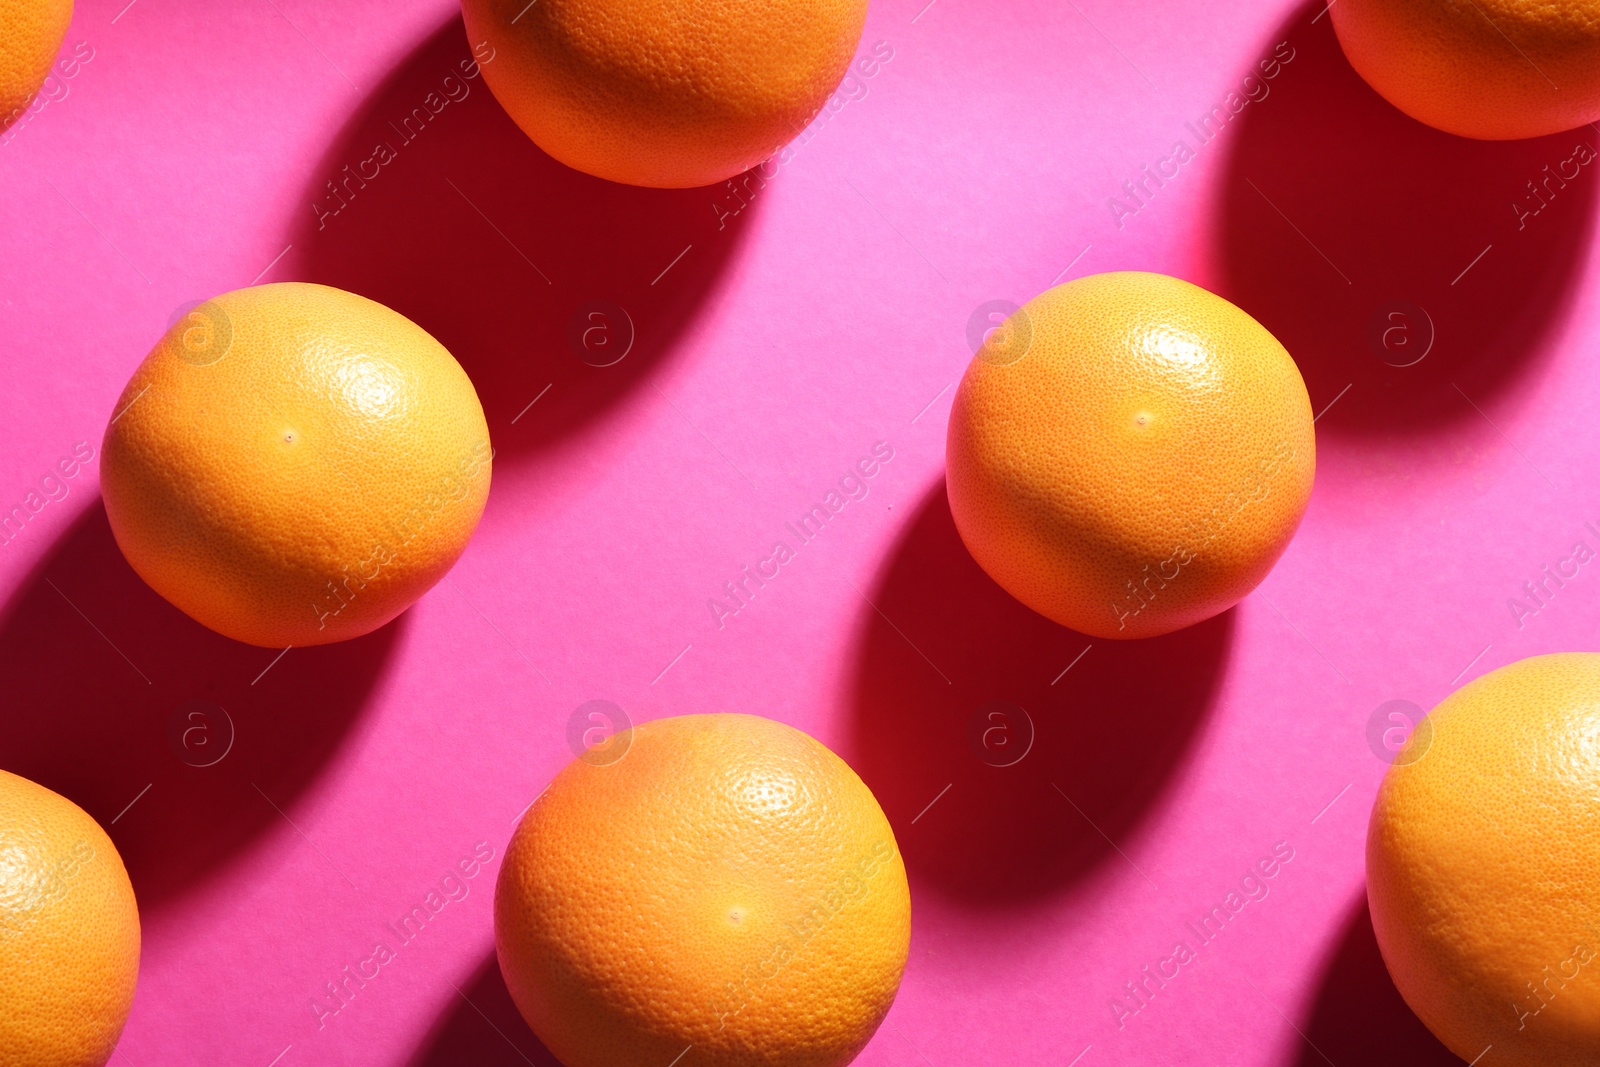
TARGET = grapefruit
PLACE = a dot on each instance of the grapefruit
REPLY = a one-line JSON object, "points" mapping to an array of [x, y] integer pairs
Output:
{"points": [[293, 464], [665, 93], [69, 932], [727, 891], [1490, 69], [34, 30], [1483, 867], [1129, 454]]}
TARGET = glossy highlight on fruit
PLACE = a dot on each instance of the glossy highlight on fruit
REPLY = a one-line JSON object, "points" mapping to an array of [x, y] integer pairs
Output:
{"points": [[1483, 867], [294, 464], [727, 886], [664, 93], [1129, 454]]}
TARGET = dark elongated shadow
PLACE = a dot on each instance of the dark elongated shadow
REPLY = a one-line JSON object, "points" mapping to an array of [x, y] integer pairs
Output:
{"points": [[184, 744], [1340, 217], [481, 1026], [1358, 1016], [433, 202], [942, 643]]}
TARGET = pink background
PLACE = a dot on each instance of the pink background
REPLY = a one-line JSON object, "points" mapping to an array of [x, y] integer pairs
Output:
{"points": [[831, 313]]}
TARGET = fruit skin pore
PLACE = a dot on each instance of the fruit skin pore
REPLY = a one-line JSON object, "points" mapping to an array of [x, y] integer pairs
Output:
{"points": [[1486, 69], [664, 93], [1483, 867], [31, 32], [294, 464], [69, 932], [727, 884], [1130, 454]]}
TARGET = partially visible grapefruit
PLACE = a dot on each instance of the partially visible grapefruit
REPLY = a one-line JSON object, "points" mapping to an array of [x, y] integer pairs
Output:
{"points": [[69, 932], [666, 93], [31, 32], [727, 891], [1490, 69], [1483, 867]]}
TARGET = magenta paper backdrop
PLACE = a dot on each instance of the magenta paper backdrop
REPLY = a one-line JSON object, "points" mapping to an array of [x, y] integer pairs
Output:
{"points": [[980, 152]]}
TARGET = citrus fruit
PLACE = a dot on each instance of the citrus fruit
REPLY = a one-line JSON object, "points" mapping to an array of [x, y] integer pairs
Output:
{"points": [[1483, 867], [1129, 454], [667, 93], [33, 33], [1491, 69], [727, 891], [293, 464], [69, 932]]}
